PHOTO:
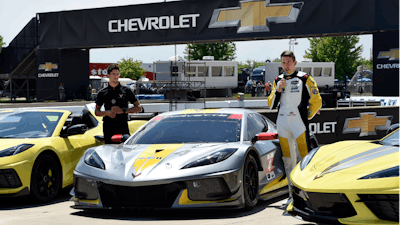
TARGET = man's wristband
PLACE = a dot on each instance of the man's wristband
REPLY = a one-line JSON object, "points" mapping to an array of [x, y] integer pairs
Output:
{"points": [[124, 110]]}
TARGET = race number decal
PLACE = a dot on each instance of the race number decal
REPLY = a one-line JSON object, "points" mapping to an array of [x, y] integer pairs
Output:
{"points": [[270, 160]]}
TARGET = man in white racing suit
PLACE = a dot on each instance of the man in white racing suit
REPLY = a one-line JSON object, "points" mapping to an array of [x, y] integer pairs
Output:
{"points": [[299, 101]]}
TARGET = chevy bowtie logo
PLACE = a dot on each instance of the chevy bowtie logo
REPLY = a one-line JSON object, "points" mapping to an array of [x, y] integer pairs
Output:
{"points": [[255, 16], [48, 66], [393, 54], [367, 124]]}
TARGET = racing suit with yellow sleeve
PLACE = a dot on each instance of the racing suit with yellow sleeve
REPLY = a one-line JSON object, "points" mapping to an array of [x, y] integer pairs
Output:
{"points": [[298, 103]]}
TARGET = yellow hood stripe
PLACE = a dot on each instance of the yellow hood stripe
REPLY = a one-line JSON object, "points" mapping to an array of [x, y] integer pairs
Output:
{"points": [[153, 155]]}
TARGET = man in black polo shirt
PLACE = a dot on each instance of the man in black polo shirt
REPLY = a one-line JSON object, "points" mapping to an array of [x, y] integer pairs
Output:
{"points": [[115, 99]]}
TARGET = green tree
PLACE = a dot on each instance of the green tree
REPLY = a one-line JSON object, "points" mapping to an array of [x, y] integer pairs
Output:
{"points": [[1, 41], [220, 51], [277, 60], [367, 63], [130, 68], [340, 50], [248, 62]]}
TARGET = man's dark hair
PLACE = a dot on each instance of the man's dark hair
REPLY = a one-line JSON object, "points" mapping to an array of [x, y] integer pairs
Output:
{"points": [[288, 53], [112, 67]]}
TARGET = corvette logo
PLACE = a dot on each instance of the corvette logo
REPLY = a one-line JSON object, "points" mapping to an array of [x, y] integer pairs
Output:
{"points": [[391, 55], [367, 124], [48, 66], [255, 16]]}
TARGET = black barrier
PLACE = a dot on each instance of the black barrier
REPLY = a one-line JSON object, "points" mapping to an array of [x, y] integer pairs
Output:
{"points": [[386, 64], [353, 123], [67, 66]]}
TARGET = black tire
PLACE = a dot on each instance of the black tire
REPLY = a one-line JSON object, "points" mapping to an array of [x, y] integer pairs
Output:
{"points": [[45, 179], [250, 182]]}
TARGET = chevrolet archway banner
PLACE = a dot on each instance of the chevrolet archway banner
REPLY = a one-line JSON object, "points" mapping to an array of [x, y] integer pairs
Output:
{"points": [[213, 20]]}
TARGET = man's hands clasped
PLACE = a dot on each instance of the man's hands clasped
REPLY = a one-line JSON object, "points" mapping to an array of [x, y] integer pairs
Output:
{"points": [[117, 110]]}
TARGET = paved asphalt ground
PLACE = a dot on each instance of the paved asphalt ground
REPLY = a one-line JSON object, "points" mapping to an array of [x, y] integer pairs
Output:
{"points": [[23, 211]]}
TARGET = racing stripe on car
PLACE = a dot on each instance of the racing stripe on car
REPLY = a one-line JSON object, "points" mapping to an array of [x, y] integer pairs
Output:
{"points": [[360, 158], [153, 155], [275, 184], [193, 111]]}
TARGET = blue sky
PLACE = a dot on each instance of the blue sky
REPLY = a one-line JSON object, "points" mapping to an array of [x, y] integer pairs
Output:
{"points": [[15, 14]]}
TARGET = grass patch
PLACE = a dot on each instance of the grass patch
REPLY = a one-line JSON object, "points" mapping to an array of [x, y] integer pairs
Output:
{"points": [[8, 101]]}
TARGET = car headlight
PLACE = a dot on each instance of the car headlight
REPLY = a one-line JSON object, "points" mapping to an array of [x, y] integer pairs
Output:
{"points": [[306, 160], [391, 172], [93, 159], [15, 150], [213, 158]]}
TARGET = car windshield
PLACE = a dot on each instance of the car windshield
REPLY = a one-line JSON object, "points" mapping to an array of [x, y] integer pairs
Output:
{"points": [[28, 124], [392, 139], [257, 77], [190, 128]]}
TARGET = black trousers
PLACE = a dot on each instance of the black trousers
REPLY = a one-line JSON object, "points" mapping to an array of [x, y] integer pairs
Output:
{"points": [[110, 129]]}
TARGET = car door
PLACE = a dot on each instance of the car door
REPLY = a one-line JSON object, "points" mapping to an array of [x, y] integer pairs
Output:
{"points": [[72, 147], [267, 149]]}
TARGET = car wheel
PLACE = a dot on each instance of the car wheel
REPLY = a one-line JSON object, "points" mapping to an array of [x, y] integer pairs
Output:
{"points": [[45, 179], [250, 182]]}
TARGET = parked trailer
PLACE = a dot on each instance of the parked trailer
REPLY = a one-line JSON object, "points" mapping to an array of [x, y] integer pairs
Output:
{"points": [[322, 72], [217, 77]]}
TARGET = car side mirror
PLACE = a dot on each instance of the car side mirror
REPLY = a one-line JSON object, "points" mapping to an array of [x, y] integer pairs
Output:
{"points": [[77, 129], [265, 136], [119, 138]]}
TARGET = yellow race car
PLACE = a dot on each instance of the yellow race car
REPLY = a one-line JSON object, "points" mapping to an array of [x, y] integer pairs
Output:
{"points": [[39, 148], [348, 182]]}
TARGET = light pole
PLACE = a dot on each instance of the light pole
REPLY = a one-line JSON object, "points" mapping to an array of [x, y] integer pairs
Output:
{"points": [[292, 43]]}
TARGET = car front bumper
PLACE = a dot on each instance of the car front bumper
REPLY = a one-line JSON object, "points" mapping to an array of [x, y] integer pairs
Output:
{"points": [[215, 190]]}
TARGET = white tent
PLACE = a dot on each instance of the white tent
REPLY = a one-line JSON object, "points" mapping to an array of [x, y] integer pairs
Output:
{"points": [[176, 58]]}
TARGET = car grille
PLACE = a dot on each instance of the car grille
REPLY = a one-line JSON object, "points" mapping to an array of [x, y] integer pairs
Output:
{"points": [[157, 196], [208, 189], [385, 207], [85, 189], [323, 204], [9, 179]]}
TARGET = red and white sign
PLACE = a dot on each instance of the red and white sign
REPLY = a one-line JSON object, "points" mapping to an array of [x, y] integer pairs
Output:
{"points": [[99, 69]]}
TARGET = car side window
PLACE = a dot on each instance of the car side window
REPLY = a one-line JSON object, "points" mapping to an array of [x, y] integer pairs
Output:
{"points": [[271, 127], [265, 128], [255, 125]]}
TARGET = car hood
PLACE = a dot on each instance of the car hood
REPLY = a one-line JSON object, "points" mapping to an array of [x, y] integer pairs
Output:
{"points": [[150, 162], [10, 142], [341, 165]]}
